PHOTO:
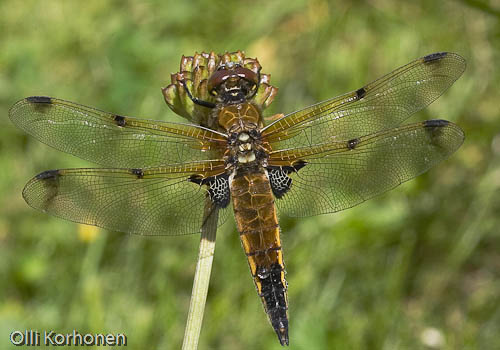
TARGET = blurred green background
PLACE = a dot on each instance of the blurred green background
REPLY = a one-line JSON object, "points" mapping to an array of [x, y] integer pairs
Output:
{"points": [[416, 268]]}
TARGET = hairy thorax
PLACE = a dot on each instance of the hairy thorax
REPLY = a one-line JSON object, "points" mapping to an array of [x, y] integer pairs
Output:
{"points": [[245, 150]]}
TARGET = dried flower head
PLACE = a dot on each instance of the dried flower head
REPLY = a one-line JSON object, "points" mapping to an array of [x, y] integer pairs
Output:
{"points": [[195, 72]]}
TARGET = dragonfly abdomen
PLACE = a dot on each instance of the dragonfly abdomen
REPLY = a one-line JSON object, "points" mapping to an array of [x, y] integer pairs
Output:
{"points": [[257, 223]]}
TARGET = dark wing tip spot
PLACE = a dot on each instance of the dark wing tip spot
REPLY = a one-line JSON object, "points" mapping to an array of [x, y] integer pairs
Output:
{"points": [[435, 130], [39, 99], [435, 56], [49, 174], [351, 144], [120, 120], [138, 172], [433, 123], [360, 93]]}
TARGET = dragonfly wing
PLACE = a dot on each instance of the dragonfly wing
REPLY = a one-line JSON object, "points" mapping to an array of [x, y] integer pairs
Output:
{"points": [[112, 140], [382, 104], [148, 201], [340, 175]]}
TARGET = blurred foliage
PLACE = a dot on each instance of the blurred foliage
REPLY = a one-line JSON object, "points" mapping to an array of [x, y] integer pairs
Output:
{"points": [[417, 268]]}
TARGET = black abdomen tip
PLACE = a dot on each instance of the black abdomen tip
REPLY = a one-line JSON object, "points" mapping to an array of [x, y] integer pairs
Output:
{"points": [[282, 335], [434, 56], [39, 99]]}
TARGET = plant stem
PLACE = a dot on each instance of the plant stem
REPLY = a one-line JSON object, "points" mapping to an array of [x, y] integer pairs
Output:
{"points": [[201, 277]]}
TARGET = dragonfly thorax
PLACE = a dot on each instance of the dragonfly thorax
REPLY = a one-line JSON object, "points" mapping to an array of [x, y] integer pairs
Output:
{"points": [[245, 149], [245, 152]]}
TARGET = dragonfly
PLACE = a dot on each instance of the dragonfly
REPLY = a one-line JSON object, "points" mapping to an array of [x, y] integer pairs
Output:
{"points": [[166, 178]]}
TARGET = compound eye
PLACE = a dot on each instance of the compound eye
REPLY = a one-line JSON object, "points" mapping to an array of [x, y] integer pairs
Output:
{"points": [[223, 73], [217, 78], [246, 74]]}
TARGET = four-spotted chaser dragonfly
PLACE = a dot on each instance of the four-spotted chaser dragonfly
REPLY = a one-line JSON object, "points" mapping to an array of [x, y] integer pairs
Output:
{"points": [[322, 159]]}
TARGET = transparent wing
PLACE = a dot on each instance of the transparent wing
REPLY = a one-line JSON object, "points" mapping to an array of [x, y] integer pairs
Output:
{"points": [[382, 104], [113, 140], [149, 201], [340, 175]]}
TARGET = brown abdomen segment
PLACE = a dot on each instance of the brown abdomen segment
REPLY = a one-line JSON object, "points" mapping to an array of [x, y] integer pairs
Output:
{"points": [[259, 230]]}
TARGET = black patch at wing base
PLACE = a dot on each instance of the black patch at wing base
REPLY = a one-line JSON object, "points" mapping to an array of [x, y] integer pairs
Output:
{"points": [[218, 188], [279, 179]]}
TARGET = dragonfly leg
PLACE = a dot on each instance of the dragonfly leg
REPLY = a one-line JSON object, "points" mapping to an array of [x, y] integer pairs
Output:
{"points": [[195, 99]]}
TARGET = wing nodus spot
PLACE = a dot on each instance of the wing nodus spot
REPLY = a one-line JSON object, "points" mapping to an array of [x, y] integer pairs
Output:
{"points": [[137, 172], [434, 57], [120, 120], [351, 144], [360, 93]]}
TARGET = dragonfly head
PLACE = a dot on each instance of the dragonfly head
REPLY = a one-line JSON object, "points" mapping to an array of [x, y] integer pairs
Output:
{"points": [[231, 83]]}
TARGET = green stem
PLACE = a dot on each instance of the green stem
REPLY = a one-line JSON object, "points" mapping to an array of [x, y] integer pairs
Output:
{"points": [[201, 278]]}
